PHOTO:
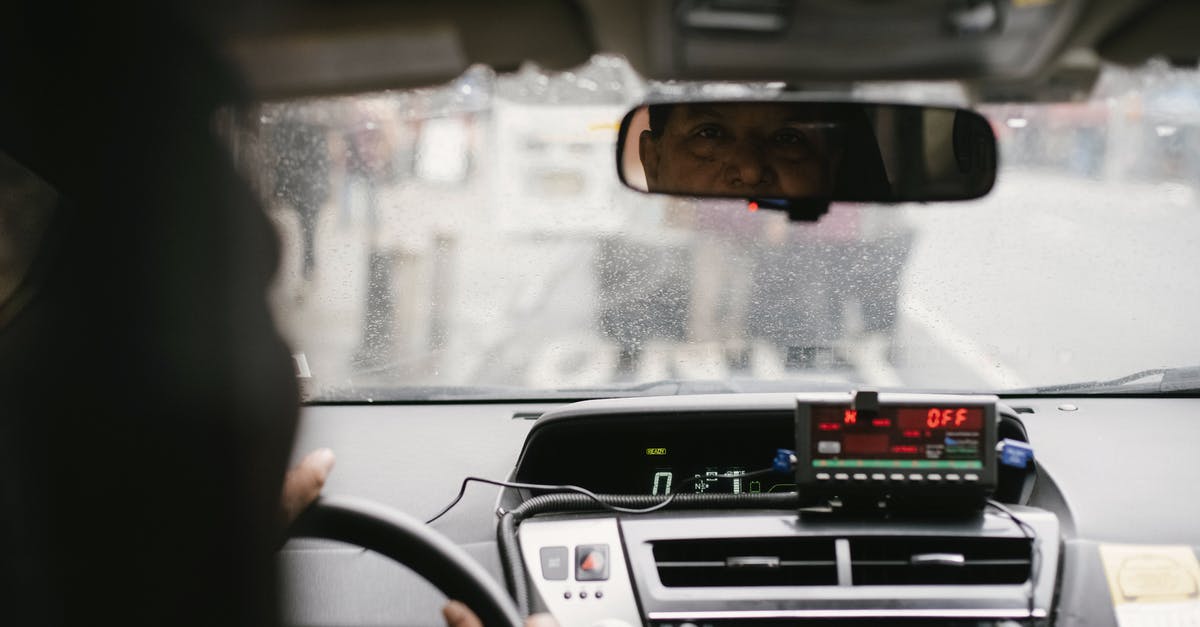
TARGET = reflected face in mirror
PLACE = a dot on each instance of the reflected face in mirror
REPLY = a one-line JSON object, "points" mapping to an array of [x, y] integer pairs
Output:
{"points": [[755, 150]]}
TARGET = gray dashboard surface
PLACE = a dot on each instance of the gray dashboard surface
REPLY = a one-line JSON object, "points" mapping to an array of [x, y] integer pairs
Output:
{"points": [[1127, 468], [414, 457]]}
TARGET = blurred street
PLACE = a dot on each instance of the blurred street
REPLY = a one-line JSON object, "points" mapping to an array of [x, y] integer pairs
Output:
{"points": [[1050, 280], [487, 243], [990, 298]]}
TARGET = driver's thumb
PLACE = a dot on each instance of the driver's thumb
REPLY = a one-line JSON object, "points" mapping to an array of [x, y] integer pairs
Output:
{"points": [[302, 484], [540, 620], [459, 615]]}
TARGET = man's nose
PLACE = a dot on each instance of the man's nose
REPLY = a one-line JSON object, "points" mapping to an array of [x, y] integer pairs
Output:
{"points": [[748, 164]]}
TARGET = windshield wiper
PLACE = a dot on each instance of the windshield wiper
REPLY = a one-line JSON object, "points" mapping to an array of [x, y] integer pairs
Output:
{"points": [[662, 387], [1169, 380], [382, 393]]}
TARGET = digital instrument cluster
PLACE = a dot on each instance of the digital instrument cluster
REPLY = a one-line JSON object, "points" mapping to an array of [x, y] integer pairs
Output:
{"points": [[662, 454]]}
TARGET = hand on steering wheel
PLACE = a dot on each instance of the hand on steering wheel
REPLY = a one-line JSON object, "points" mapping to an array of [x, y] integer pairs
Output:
{"points": [[302, 484], [459, 615], [402, 538], [410, 542]]}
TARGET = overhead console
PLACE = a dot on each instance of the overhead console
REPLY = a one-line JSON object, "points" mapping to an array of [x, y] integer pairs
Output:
{"points": [[823, 40], [881, 513]]}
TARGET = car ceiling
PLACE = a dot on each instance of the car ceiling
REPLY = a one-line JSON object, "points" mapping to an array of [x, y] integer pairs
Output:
{"points": [[1003, 49]]}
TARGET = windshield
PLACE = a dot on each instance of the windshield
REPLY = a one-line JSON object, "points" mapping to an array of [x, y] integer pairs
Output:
{"points": [[474, 240]]}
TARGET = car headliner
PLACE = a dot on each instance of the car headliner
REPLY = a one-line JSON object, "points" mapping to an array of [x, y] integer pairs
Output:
{"points": [[310, 47]]}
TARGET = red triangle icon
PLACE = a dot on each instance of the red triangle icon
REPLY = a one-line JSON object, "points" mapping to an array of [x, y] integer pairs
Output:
{"points": [[593, 561]]}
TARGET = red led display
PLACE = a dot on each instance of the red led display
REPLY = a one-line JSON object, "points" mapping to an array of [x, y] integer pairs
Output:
{"points": [[919, 418], [897, 433], [865, 443]]}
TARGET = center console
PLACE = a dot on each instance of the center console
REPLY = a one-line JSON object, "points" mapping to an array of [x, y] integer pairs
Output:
{"points": [[851, 535]]}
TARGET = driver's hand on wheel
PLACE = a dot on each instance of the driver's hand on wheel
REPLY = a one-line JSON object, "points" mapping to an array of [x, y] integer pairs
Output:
{"points": [[302, 484], [459, 615]]}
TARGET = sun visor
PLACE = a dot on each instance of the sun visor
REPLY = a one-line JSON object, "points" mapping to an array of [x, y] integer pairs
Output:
{"points": [[330, 48], [1166, 29]]}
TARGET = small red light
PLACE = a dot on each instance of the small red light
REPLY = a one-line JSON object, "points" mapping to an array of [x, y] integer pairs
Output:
{"points": [[912, 433], [752, 206], [851, 417], [904, 448], [881, 422], [828, 426]]}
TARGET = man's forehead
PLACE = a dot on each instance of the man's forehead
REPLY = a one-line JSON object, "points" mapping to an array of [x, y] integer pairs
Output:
{"points": [[747, 111]]}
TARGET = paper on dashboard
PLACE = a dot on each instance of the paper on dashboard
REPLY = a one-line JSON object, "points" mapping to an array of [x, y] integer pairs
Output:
{"points": [[1153, 586]]}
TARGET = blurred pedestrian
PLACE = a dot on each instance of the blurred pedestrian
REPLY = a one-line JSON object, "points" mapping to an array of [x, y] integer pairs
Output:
{"points": [[298, 152]]}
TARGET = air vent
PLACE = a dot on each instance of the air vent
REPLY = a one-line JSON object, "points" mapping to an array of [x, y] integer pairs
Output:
{"points": [[908, 560], [746, 562]]}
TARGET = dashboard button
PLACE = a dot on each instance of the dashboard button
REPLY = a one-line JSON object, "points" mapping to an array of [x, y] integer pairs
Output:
{"points": [[554, 562], [953, 477], [599, 594], [860, 476], [895, 476], [879, 476], [841, 476], [829, 447], [916, 477], [591, 563], [933, 476], [822, 476], [971, 477]]}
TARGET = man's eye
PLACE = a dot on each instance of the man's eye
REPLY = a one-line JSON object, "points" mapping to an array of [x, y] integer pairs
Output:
{"points": [[789, 137], [708, 132]]}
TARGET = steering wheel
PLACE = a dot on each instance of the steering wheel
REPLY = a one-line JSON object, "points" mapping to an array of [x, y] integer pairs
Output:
{"points": [[410, 542]]}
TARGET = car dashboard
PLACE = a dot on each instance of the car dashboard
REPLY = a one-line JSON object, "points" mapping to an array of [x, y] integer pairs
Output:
{"points": [[741, 550]]}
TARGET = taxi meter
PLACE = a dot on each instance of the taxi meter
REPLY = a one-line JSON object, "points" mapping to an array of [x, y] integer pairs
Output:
{"points": [[923, 453]]}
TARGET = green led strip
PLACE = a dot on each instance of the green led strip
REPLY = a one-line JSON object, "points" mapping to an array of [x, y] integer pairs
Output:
{"points": [[899, 463]]}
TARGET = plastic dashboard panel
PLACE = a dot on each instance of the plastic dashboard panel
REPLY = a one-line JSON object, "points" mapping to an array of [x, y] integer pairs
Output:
{"points": [[616, 447], [845, 598], [1112, 469]]}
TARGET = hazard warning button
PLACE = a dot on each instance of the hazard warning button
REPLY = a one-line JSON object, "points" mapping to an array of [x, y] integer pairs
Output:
{"points": [[591, 562]]}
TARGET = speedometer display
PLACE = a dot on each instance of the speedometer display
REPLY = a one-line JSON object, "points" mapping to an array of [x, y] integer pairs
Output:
{"points": [[700, 479], [657, 454]]}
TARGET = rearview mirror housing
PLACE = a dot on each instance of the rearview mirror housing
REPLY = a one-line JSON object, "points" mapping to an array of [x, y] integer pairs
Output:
{"points": [[788, 153]]}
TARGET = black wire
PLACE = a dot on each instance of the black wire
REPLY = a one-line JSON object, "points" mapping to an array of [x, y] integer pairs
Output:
{"points": [[557, 488], [1030, 534], [462, 490]]}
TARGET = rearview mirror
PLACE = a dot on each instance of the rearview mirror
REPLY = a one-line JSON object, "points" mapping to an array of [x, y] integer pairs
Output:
{"points": [[802, 152]]}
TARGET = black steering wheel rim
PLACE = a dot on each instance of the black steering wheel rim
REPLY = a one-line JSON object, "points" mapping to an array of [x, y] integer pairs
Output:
{"points": [[412, 543]]}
